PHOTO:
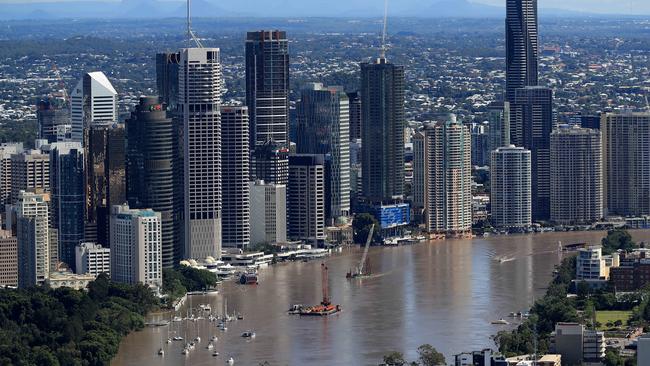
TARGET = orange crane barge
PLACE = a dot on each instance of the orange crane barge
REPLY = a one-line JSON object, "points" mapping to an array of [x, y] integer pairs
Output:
{"points": [[326, 307]]}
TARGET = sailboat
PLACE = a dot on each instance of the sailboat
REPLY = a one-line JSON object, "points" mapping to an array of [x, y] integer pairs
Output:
{"points": [[363, 269]]}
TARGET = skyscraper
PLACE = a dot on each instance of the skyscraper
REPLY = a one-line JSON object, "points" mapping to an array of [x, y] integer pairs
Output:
{"points": [[235, 173], [499, 124], [6, 151], [355, 115], [150, 169], [136, 246], [33, 238], [67, 197], [383, 121], [105, 167], [626, 148], [306, 198], [417, 186], [51, 113], [167, 66], [448, 178], [94, 100], [480, 144], [510, 188], [29, 170], [200, 88], [270, 163], [268, 213], [521, 45], [267, 86], [8, 259], [531, 126], [576, 176], [323, 128]]}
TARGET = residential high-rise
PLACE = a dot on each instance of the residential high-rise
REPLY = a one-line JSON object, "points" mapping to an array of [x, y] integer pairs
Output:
{"points": [[67, 197], [6, 151], [8, 259], [92, 258], [267, 87], [499, 124], [510, 188], [383, 121], [417, 186], [521, 46], [270, 163], [576, 176], [33, 238], [268, 213], [531, 125], [94, 100], [150, 169], [306, 198], [323, 128], [626, 146], [448, 178], [136, 246], [50, 114], [355, 115], [235, 168], [167, 67], [105, 167], [29, 170], [200, 91], [480, 144]]}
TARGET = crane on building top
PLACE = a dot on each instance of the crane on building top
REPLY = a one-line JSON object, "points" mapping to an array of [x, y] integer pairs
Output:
{"points": [[191, 37]]}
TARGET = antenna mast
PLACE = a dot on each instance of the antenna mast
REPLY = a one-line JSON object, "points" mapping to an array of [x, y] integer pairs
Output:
{"points": [[191, 37], [383, 33]]}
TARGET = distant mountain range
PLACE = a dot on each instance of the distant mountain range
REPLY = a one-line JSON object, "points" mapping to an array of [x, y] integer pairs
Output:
{"points": [[252, 8]]}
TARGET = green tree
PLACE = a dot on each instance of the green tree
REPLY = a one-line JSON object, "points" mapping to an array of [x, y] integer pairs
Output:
{"points": [[618, 239], [361, 226], [429, 356], [394, 359]]}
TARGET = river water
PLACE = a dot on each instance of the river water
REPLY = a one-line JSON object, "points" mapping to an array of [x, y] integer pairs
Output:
{"points": [[443, 293]]}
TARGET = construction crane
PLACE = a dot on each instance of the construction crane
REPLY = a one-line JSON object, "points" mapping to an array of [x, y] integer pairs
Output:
{"points": [[57, 73], [325, 284]]}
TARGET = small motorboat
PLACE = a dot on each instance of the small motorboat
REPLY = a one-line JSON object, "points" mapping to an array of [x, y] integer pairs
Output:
{"points": [[177, 338], [223, 326], [161, 352], [214, 339], [192, 345], [197, 340], [186, 351], [215, 354], [231, 361], [209, 346], [248, 334], [500, 322], [169, 340], [240, 317], [177, 319]]}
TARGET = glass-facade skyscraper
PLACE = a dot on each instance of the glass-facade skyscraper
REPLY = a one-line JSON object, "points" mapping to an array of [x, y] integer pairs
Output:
{"points": [[521, 45]]}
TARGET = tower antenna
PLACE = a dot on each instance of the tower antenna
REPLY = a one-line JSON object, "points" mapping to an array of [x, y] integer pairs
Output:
{"points": [[383, 33], [191, 37]]}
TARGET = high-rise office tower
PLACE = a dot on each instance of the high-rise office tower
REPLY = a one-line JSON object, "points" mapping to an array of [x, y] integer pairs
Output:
{"points": [[576, 176], [448, 178], [531, 125], [92, 258], [167, 66], [51, 114], [67, 197], [94, 100], [510, 187], [150, 169], [268, 213], [6, 151], [33, 238], [626, 146], [200, 91], [355, 115], [8, 259], [306, 198], [499, 124], [105, 178], [29, 170], [383, 121], [136, 246], [235, 173], [323, 128], [270, 163], [521, 45], [480, 145], [267, 86]]}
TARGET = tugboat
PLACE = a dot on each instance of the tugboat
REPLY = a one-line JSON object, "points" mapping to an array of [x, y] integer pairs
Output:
{"points": [[326, 307], [248, 278], [363, 269]]}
